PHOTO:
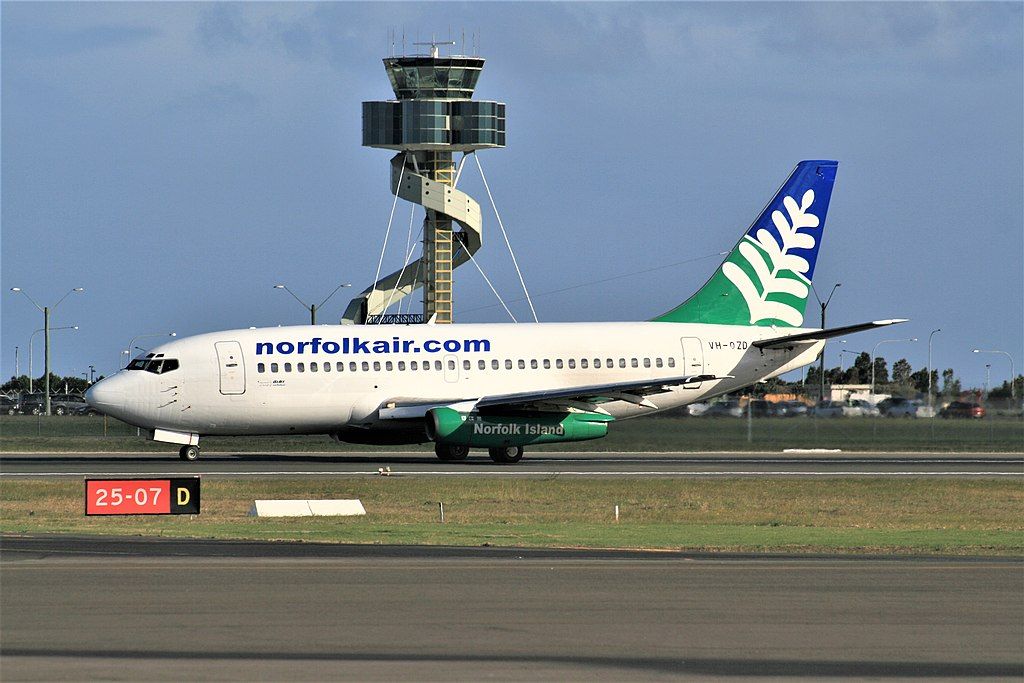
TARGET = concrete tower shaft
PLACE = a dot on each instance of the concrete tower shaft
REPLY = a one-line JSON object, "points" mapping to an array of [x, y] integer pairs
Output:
{"points": [[432, 118]]}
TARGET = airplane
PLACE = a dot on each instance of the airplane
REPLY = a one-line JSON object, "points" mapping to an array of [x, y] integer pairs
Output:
{"points": [[500, 386]]}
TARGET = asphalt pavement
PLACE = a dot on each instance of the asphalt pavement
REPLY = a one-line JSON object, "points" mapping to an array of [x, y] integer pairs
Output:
{"points": [[538, 463], [137, 609]]}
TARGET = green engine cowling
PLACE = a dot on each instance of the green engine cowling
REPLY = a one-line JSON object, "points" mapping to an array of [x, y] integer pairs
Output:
{"points": [[450, 427]]}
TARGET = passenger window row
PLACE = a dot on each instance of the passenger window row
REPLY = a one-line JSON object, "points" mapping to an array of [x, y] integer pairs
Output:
{"points": [[437, 365]]}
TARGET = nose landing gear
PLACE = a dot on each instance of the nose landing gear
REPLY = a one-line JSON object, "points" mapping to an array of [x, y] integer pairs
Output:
{"points": [[189, 453]]}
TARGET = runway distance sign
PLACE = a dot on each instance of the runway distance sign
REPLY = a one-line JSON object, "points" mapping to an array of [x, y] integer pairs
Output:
{"points": [[178, 496]]}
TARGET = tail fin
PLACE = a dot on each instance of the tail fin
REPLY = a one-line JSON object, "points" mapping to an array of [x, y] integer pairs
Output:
{"points": [[766, 278]]}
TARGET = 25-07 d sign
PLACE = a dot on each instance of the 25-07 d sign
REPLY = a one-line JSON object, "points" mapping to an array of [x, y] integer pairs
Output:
{"points": [[178, 496]]}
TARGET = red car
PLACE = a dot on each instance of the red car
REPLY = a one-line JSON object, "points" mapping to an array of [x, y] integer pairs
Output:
{"points": [[962, 409]]}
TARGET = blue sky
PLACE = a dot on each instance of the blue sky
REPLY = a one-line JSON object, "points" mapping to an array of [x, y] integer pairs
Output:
{"points": [[177, 160]]}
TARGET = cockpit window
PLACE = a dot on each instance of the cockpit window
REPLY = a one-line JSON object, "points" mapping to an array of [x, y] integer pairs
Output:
{"points": [[157, 366]]}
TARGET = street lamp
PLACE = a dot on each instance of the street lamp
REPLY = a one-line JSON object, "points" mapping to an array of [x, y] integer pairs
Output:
{"points": [[884, 341], [1013, 374], [31, 339], [46, 336], [824, 305], [312, 308], [931, 406], [852, 353], [131, 344]]}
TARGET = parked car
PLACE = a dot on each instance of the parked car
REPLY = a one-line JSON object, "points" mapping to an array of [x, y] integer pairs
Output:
{"points": [[898, 407], [696, 409], [724, 409], [761, 408], [863, 408], [86, 409], [962, 409], [9, 406], [60, 404], [791, 408], [828, 409]]}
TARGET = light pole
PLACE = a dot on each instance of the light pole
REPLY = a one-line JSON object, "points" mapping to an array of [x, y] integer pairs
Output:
{"points": [[852, 353], [824, 305], [312, 308], [46, 336], [931, 406], [988, 378], [1013, 374], [31, 340], [884, 341], [131, 344]]}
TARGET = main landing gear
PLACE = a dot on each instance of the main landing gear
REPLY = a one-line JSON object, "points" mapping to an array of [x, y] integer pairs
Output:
{"points": [[451, 453], [506, 455], [190, 453]]}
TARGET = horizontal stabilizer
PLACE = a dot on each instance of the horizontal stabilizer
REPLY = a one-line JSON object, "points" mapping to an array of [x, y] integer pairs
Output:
{"points": [[810, 337]]}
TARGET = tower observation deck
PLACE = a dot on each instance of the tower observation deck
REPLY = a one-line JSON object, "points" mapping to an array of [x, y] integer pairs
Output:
{"points": [[433, 117]]}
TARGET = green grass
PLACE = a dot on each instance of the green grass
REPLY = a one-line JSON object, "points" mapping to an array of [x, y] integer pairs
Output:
{"points": [[37, 433], [783, 515]]}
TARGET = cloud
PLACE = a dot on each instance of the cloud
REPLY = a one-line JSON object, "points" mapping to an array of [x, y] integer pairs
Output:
{"points": [[222, 26], [34, 41]]}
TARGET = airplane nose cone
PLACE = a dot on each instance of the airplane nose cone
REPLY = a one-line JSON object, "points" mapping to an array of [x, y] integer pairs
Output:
{"points": [[104, 397]]}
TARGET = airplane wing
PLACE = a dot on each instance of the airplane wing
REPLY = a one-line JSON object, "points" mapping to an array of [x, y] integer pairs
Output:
{"points": [[588, 397], [789, 341]]}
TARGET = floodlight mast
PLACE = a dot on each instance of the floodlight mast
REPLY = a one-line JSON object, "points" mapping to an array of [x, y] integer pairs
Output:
{"points": [[46, 310], [432, 118]]}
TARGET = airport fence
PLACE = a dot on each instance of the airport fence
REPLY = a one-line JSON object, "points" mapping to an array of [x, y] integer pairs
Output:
{"points": [[993, 433]]}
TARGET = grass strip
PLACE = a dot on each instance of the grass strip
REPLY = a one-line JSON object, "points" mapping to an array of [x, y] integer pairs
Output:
{"points": [[62, 434], [946, 516]]}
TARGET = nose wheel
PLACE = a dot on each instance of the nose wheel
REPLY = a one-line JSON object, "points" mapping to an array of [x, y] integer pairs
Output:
{"points": [[189, 453]]}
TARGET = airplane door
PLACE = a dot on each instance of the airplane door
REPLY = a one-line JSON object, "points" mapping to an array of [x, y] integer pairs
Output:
{"points": [[451, 368], [232, 368], [693, 359]]}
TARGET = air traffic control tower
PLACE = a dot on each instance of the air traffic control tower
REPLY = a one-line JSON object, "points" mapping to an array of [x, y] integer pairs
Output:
{"points": [[433, 117]]}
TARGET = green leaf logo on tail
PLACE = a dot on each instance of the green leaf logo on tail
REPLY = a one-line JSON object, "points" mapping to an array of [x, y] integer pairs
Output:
{"points": [[775, 270], [765, 280]]}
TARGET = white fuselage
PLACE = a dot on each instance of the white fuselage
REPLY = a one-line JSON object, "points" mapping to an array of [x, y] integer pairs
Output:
{"points": [[331, 379]]}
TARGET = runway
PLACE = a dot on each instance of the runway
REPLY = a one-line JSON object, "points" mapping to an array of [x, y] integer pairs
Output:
{"points": [[159, 610], [535, 464]]}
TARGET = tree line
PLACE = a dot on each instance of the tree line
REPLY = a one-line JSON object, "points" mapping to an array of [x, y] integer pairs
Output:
{"points": [[903, 380], [58, 384]]}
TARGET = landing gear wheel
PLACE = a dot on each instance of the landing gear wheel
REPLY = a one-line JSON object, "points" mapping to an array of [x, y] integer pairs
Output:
{"points": [[506, 455], [451, 453], [190, 453], [60, 410]]}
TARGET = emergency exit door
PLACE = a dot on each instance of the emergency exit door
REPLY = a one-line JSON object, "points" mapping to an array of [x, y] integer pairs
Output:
{"points": [[232, 368], [693, 359]]}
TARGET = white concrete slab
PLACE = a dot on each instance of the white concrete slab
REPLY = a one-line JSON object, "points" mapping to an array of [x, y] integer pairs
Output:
{"points": [[336, 508], [306, 508]]}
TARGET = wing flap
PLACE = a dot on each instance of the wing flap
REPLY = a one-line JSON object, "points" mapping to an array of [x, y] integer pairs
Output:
{"points": [[586, 397]]}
